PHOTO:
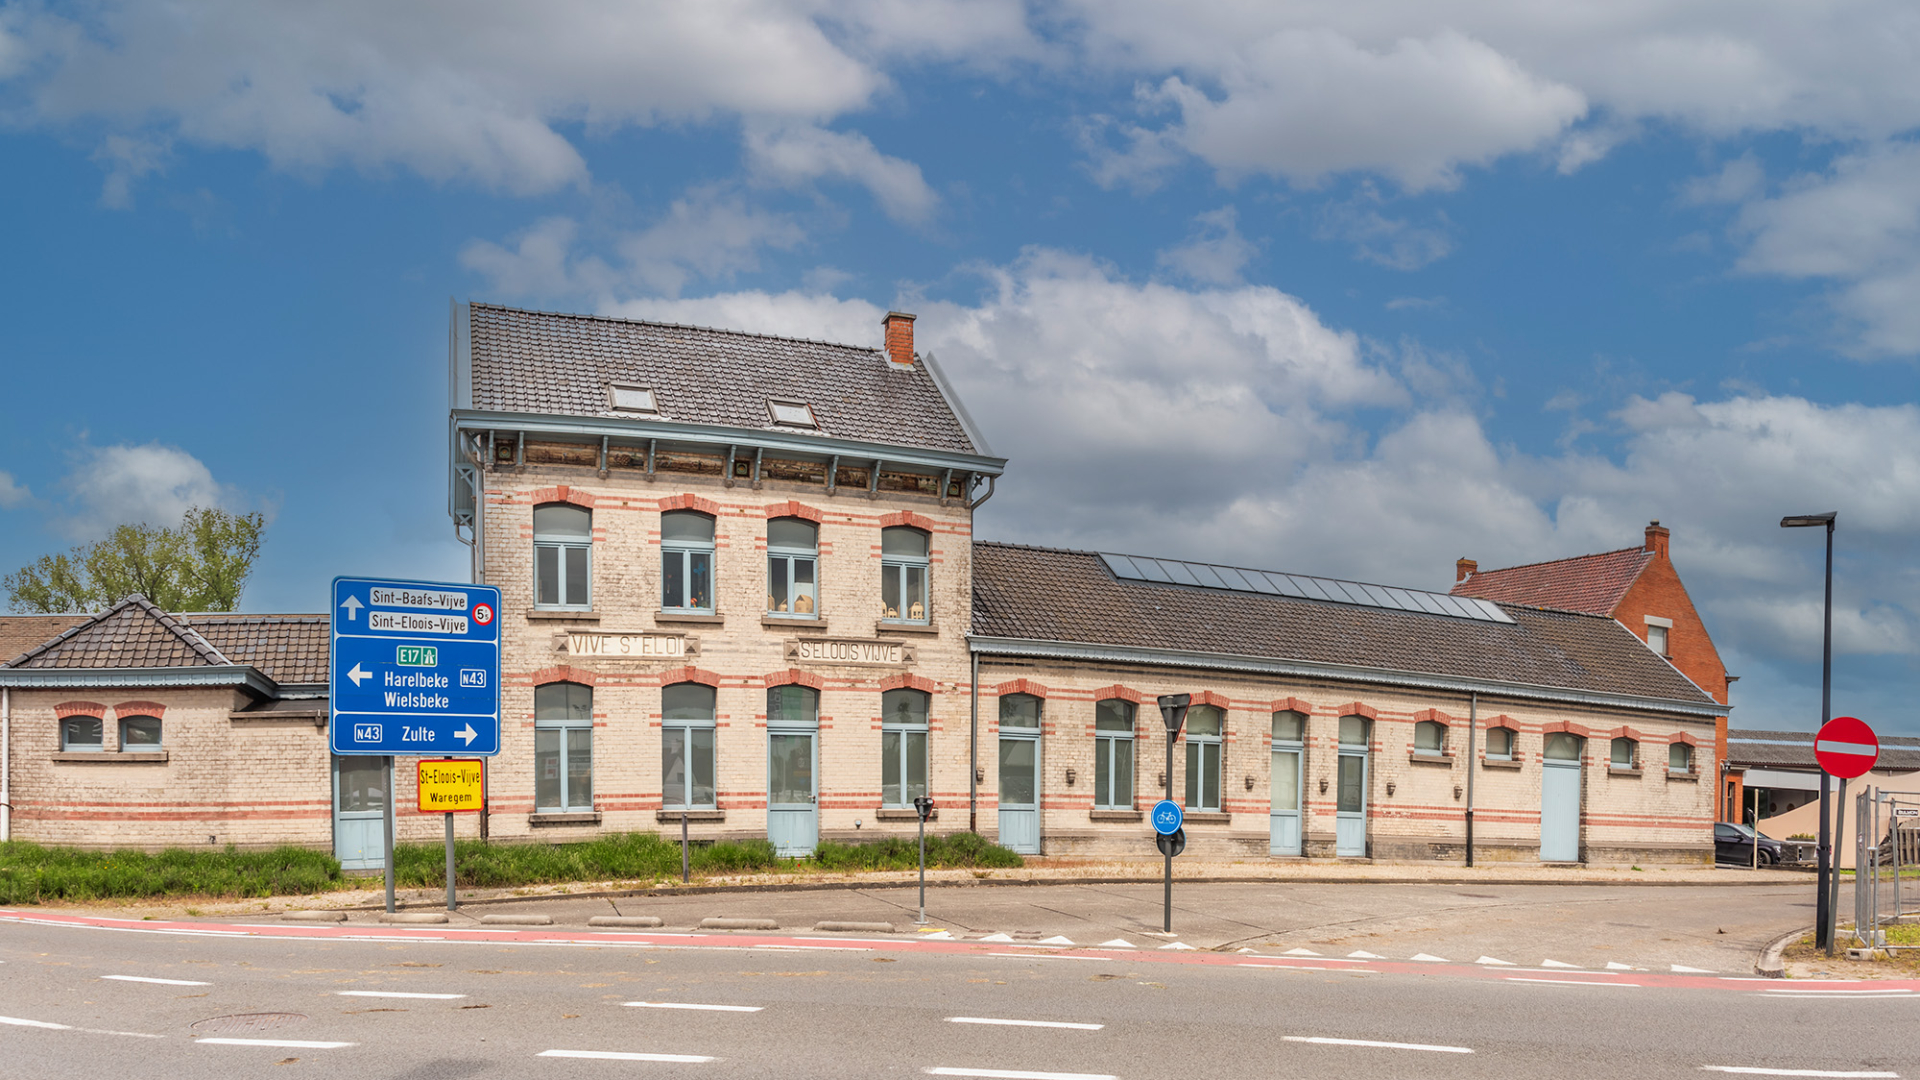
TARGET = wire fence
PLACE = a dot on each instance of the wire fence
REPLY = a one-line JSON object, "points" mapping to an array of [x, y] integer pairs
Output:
{"points": [[1886, 875]]}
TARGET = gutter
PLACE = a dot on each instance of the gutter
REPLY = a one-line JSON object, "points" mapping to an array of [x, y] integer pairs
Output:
{"points": [[1260, 665], [234, 675]]}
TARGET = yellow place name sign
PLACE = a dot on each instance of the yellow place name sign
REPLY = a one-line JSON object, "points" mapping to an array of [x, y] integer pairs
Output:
{"points": [[451, 787]]}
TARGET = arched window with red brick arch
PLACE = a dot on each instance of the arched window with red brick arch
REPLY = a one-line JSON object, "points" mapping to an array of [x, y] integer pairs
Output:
{"points": [[905, 566], [562, 556], [686, 561]]}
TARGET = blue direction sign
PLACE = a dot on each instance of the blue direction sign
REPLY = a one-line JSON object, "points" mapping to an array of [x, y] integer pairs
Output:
{"points": [[1167, 817], [415, 668]]}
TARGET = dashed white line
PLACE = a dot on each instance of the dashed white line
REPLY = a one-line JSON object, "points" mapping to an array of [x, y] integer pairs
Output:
{"points": [[1817, 995], [691, 1005], [1018, 1074], [1024, 1023], [1378, 1045], [616, 1055], [18, 1022], [1571, 982], [1753, 1071], [397, 994], [150, 979], [291, 1044]]}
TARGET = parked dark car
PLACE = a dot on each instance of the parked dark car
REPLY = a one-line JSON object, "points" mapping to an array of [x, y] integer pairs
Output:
{"points": [[1733, 843]]}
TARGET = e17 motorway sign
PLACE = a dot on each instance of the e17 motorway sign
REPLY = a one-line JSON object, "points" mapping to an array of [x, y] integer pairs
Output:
{"points": [[415, 668]]}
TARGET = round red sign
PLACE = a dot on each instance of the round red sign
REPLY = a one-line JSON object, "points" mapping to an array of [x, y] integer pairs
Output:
{"points": [[482, 614], [1846, 747]]}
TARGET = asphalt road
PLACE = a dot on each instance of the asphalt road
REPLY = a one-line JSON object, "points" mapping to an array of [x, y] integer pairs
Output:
{"points": [[100, 1003]]}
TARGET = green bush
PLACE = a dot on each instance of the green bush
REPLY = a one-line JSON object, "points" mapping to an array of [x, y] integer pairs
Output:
{"points": [[33, 874]]}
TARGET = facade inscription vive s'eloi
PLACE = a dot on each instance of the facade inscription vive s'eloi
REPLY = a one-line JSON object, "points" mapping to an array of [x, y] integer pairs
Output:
{"points": [[633, 646]]}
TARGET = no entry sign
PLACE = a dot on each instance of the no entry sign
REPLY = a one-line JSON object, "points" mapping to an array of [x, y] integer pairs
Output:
{"points": [[1846, 747]]}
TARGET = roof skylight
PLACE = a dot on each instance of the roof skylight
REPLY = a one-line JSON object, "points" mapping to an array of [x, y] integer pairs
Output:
{"points": [[633, 399], [792, 413]]}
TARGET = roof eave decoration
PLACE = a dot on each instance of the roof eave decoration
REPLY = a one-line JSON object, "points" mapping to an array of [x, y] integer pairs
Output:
{"points": [[1261, 665], [235, 675]]}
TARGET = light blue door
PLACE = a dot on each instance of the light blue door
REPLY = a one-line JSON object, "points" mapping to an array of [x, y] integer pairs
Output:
{"points": [[359, 812], [793, 815], [1020, 793], [1350, 813], [1286, 801], [1560, 811]]}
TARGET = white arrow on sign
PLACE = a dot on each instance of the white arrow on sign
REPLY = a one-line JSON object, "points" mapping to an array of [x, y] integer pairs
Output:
{"points": [[353, 606], [467, 733], [358, 673]]}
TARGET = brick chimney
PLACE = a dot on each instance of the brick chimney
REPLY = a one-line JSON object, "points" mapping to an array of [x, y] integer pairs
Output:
{"points": [[1463, 570], [1657, 538], [899, 326]]}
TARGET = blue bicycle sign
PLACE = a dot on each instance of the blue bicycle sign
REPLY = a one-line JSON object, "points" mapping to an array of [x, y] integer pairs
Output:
{"points": [[1167, 817]]}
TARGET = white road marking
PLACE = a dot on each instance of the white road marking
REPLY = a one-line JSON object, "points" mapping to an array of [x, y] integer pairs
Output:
{"points": [[1363, 955], [291, 1044], [615, 1055], [998, 937], [1117, 943], [1379, 1045], [1301, 952], [128, 1034], [1752, 1071], [1018, 1074], [397, 994], [1023, 1023], [1042, 956], [1682, 969], [1429, 958], [147, 979], [1812, 990], [1615, 965], [1491, 962], [1569, 982], [1556, 964], [1817, 995], [18, 1022], [1056, 939], [691, 1005], [1310, 967], [1180, 946]]}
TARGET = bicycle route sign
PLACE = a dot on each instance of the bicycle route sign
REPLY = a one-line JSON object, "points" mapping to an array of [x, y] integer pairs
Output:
{"points": [[414, 668], [1167, 817]]}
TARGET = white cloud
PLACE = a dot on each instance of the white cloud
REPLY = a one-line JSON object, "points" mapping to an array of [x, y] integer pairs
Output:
{"points": [[12, 492], [789, 314], [796, 154], [1395, 243], [126, 160], [154, 484], [1215, 252]]}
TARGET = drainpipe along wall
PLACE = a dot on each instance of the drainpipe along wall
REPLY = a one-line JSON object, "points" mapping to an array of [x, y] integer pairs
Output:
{"points": [[6, 764], [1473, 732], [973, 752]]}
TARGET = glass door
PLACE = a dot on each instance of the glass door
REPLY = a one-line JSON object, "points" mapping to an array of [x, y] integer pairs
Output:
{"points": [[1286, 800], [793, 817], [1020, 793], [359, 812], [1350, 808]]}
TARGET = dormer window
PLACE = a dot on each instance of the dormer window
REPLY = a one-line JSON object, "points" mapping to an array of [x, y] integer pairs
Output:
{"points": [[792, 413], [632, 399]]}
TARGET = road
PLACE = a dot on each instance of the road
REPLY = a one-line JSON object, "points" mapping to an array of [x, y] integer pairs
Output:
{"points": [[134, 1000]]}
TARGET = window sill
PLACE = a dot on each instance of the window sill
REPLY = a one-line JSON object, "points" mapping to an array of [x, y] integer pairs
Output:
{"points": [[891, 626], [1115, 815], [109, 757], [1208, 817], [792, 622], [588, 817], [1499, 763], [1421, 758], [1689, 777], [908, 813], [1615, 770], [692, 618], [673, 816], [561, 615]]}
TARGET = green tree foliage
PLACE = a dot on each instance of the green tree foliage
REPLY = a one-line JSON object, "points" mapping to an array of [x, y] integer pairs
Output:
{"points": [[200, 565]]}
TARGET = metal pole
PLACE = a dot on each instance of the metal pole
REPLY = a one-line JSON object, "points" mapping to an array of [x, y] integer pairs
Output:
{"points": [[973, 751], [1756, 828], [1473, 731], [1166, 916], [1839, 837], [1828, 880], [386, 832], [686, 863], [923, 866], [450, 904]]}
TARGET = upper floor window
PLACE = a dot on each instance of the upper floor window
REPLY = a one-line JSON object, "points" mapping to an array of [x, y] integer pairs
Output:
{"points": [[1625, 752], [562, 556], [903, 575], [1657, 638], [1289, 727], [1500, 744], [1205, 728], [1429, 737], [793, 566], [1679, 757], [563, 748], [81, 734], [1113, 754], [903, 746], [686, 561], [1019, 711], [686, 747], [139, 733]]}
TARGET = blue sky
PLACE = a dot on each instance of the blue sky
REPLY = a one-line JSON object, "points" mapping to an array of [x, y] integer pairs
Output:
{"points": [[1341, 289]]}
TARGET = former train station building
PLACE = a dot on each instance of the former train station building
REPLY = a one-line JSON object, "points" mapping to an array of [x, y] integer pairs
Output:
{"points": [[741, 587]]}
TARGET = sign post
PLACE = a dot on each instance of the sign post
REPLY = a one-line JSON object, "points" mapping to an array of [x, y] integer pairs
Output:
{"points": [[450, 787], [924, 805], [415, 671], [1846, 748], [1170, 838]]}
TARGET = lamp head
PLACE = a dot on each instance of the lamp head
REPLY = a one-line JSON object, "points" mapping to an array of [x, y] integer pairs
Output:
{"points": [[1802, 521]]}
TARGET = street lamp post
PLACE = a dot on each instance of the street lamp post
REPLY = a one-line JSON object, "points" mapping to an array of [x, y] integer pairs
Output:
{"points": [[1823, 903]]}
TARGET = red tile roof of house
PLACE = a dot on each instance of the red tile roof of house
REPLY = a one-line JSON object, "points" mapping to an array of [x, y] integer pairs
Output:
{"points": [[1593, 584]]}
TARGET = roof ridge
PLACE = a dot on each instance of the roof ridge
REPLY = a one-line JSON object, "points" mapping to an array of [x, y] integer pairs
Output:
{"points": [[1031, 547], [1550, 562], [183, 631], [191, 637], [673, 326]]}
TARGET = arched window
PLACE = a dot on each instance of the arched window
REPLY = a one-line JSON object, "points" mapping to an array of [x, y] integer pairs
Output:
{"points": [[562, 556], [904, 567], [1289, 727], [81, 734], [793, 706], [1429, 737], [1499, 744], [686, 561], [1205, 732], [903, 747], [686, 747], [1019, 711], [1561, 746], [139, 734], [1113, 754], [1626, 754], [1679, 757], [793, 560], [1354, 731], [562, 748]]}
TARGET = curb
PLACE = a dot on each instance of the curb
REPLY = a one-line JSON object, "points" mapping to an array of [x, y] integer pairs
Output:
{"points": [[639, 922], [413, 917], [1771, 965], [516, 920], [314, 916], [833, 925], [739, 924]]}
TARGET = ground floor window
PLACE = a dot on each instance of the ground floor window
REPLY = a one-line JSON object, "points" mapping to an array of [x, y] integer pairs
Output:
{"points": [[903, 747], [1204, 732], [563, 748], [1679, 758], [1113, 755], [686, 748], [81, 734]]}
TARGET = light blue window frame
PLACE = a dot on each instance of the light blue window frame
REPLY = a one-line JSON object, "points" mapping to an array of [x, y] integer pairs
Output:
{"points": [[906, 572], [1206, 746], [688, 776], [688, 577], [563, 746], [1113, 754], [903, 746], [562, 557], [793, 568]]}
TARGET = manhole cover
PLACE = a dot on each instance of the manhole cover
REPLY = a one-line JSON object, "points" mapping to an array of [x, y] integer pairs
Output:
{"points": [[221, 1025]]}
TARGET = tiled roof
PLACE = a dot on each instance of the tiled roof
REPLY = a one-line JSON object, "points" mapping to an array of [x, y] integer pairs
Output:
{"points": [[289, 649], [1045, 594], [18, 633], [1794, 750], [1594, 584], [130, 634], [536, 362]]}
